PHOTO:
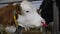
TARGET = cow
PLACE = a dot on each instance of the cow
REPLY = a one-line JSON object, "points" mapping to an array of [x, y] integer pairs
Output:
{"points": [[7, 15], [26, 16]]}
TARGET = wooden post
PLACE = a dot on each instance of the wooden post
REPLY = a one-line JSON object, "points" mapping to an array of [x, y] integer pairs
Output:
{"points": [[55, 29]]}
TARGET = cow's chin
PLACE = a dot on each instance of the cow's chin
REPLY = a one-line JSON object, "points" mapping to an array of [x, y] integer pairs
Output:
{"points": [[30, 26]]}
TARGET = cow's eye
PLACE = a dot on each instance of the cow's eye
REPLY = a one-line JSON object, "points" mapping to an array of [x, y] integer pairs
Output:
{"points": [[27, 11]]}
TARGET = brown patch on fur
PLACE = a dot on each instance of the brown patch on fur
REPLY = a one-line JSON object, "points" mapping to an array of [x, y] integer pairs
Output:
{"points": [[7, 14], [18, 8]]}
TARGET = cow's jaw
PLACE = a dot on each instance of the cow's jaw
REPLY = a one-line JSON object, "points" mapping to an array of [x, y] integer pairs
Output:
{"points": [[29, 20]]}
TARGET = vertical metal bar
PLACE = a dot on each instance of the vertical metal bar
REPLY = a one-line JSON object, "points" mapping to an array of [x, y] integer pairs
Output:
{"points": [[19, 30], [55, 29]]}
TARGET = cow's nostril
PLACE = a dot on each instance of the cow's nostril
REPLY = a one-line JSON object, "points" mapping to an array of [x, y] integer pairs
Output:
{"points": [[44, 24]]}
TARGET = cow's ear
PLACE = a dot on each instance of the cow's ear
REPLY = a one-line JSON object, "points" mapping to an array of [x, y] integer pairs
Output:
{"points": [[18, 8]]}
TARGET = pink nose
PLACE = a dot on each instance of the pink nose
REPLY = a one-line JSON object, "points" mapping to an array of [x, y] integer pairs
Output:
{"points": [[44, 24]]}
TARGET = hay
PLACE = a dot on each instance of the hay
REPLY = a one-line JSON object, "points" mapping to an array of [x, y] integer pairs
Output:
{"points": [[3, 30]]}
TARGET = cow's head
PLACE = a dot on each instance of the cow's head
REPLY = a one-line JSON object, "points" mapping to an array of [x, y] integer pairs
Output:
{"points": [[28, 16]]}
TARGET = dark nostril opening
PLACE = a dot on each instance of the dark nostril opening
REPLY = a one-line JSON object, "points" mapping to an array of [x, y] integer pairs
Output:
{"points": [[42, 22]]}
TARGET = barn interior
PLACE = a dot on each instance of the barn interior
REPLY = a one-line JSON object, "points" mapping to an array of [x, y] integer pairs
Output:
{"points": [[49, 11]]}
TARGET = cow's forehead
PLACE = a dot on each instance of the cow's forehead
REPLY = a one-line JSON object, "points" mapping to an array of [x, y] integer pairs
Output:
{"points": [[26, 5]]}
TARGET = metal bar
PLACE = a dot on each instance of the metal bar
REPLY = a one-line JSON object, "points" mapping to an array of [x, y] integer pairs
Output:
{"points": [[19, 30], [10, 1], [55, 28]]}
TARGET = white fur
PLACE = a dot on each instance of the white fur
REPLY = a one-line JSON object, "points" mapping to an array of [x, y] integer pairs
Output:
{"points": [[30, 19]]}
